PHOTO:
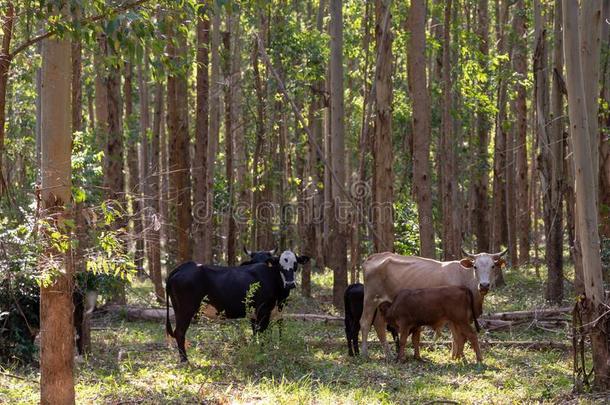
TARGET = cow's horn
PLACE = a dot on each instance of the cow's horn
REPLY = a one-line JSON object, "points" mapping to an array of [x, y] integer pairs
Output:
{"points": [[465, 253], [246, 251], [272, 251], [499, 255]]}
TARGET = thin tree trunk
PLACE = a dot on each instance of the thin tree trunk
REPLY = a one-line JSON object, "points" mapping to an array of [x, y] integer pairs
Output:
{"points": [[5, 64], [154, 239], [202, 211], [338, 237], [520, 147], [133, 185], [214, 123], [228, 91], [481, 201], [383, 222], [551, 148], [585, 189], [179, 152], [422, 182], [604, 151], [56, 308], [451, 250]]}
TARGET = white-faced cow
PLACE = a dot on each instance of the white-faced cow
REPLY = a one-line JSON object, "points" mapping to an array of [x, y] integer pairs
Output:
{"points": [[385, 274], [230, 292]]}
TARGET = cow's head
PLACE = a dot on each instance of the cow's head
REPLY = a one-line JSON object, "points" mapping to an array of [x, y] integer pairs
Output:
{"points": [[483, 264], [260, 256], [287, 265]]}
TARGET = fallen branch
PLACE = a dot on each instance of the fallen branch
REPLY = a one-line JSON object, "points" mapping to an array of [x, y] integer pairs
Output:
{"points": [[524, 344], [525, 315]]}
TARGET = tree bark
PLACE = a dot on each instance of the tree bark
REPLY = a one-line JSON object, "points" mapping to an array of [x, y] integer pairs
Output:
{"points": [[228, 92], [585, 192], [422, 187], [551, 150], [214, 122], [604, 151], [154, 239], [202, 229], [481, 181], [338, 238], [451, 244], [179, 152], [5, 64], [133, 184], [520, 147], [56, 308], [383, 219]]}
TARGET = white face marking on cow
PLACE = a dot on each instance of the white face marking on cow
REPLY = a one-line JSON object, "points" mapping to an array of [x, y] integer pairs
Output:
{"points": [[483, 265], [288, 260]]}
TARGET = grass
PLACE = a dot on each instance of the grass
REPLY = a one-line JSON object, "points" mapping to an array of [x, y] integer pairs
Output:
{"points": [[132, 363]]}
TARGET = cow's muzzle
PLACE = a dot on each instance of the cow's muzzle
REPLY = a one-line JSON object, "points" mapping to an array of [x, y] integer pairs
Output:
{"points": [[484, 288], [290, 285]]}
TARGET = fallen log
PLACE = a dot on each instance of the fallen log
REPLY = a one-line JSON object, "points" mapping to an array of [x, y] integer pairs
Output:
{"points": [[532, 314], [135, 313]]}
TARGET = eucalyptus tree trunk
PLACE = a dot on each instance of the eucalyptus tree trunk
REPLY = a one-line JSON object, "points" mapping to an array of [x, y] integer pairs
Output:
{"points": [[5, 63], [202, 229], [383, 181], [179, 167], [101, 91], [338, 239], [585, 193], [422, 182], [550, 135], [133, 184], [604, 151], [214, 122], [523, 221], [56, 308], [228, 101], [481, 200], [155, 197], [451, 248]]}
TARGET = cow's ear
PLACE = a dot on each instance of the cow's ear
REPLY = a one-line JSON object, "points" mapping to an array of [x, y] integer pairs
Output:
{"points": [[302, 259], [466, 263], [500, 262]]}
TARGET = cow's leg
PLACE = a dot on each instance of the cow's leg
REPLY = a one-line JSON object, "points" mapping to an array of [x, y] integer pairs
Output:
{"points": [[474, 341], [403, 336], [457, 341], [365, 324], [349, 336], [394, 337], [381, 327], [416, 338], [183, 321]]}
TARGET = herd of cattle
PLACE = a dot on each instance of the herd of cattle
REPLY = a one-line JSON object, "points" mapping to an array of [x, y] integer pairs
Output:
{"points": [[400, 294]]}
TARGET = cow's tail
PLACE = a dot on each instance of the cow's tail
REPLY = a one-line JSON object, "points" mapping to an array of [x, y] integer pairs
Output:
{"points": [[168, 325], [474, 316]]}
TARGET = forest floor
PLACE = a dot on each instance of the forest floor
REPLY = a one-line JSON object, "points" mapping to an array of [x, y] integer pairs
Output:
{"points": [[132, 363]]}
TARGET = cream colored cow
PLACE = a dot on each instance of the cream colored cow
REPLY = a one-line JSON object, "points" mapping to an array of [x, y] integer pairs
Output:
{"points": [[385, 274]]}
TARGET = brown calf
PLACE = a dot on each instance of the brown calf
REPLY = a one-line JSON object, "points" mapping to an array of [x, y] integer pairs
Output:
{"points": [[434, 307]]}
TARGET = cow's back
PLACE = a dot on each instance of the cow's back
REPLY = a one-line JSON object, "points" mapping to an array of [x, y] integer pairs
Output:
{"points": [[385, 274]]}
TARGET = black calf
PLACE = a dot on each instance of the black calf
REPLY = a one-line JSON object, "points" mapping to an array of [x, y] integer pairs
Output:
{"points": [[354, 301]]}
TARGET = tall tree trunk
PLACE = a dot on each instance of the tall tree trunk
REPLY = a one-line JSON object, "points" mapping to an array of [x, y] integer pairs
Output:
{"points": [[521, 184], [214, 122], [179, 152], [56, 308], [5, 64], [604, 151], [101, 91], [585, 192], [133, 185], [202, 230], [228, 91], [422, 183], [383, 221], [551, 149], [338, 229], [481, 201], [154, 239], [451, 248]]}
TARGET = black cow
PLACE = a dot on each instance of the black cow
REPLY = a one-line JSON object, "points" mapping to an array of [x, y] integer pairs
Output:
{"points": [[354, 301], [229, 291]]}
